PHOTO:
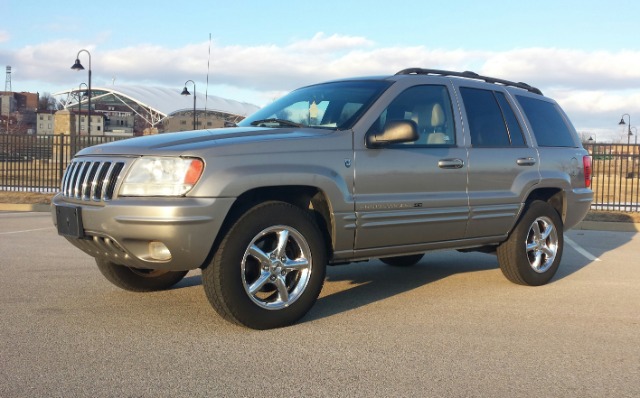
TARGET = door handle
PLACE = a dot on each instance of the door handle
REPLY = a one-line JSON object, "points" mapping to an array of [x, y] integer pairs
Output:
{"points": [[526, 162], [450, 163]]}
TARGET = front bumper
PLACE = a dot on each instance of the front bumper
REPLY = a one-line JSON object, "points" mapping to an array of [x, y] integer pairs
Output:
{"points": [[121, 230]]}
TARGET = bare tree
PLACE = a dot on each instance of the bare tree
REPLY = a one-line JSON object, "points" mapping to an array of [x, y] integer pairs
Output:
{"points": [[46, 102]]}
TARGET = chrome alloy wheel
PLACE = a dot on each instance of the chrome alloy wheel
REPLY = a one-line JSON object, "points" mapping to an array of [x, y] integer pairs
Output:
{"points": [[542, 244], [276, 267]]}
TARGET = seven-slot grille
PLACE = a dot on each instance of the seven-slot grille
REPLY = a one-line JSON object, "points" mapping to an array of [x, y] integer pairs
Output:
{"points": [[93, 180]]}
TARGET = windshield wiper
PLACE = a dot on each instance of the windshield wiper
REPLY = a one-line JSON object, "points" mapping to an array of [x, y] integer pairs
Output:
{"points": [[282, 122]]}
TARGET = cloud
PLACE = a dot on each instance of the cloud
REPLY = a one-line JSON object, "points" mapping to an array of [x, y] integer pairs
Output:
{"points": [[568, 68], [323, 43], [4, 36], [594, 87]]}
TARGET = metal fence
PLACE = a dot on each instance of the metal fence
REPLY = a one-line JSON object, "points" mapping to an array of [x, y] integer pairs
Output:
{"points": [[616, 183], [37, 163]]}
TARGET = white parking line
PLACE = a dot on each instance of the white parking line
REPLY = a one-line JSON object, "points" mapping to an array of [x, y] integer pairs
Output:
{"points": [[580, 250], [26, 230]]}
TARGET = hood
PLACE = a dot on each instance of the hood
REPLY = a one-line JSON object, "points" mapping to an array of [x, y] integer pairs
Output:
{"points": [[188, 141]]}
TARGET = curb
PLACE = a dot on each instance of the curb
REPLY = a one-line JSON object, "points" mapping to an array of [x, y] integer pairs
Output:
{"points": [[583, 225]]}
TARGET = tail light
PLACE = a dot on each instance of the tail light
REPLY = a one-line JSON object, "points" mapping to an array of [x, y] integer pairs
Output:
{"points": [[588, 171]]}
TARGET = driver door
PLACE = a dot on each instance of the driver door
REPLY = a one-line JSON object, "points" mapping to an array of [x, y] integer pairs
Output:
{"points": [[413, 193]]}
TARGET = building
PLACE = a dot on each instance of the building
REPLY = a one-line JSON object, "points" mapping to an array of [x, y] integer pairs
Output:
{"points": [[118, 119], [8, 104], [183, 120], [65, 122], [44, 123], [18, 111], [27, 101]]}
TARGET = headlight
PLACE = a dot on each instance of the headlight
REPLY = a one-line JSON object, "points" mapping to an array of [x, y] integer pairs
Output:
{"points": [[161, 176]]}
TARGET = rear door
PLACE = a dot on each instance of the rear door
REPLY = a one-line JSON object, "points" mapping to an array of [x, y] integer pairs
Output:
{"points": [[502, 165]]}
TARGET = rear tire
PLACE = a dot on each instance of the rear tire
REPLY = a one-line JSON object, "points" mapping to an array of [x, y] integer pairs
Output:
{"points": [[403, 261], [138, 280], [531, 255], [269, 269]]}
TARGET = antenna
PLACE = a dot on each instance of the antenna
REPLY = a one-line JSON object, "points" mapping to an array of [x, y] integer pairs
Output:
{"points": [[7, 81], [206, 91]]}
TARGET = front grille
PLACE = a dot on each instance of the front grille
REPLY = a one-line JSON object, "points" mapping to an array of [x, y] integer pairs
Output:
{"points": [[91, 180]]}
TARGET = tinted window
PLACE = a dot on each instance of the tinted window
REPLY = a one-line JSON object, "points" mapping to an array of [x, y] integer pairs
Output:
{"points": [[486, 123], [548, 124], [429, 106], [515, 131]]}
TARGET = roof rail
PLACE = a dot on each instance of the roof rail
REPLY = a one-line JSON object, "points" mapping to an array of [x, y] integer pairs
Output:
{"points": [[468, 75]]}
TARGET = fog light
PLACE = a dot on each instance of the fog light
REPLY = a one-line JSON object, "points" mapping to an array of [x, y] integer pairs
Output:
{"points": [[158, 251]]}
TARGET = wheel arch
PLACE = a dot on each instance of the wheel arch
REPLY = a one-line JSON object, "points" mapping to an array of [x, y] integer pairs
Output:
{"points": [[554, 196], [305, 197]]}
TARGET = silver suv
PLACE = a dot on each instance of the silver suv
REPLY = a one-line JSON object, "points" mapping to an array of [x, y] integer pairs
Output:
{"points": [[379, 167]]}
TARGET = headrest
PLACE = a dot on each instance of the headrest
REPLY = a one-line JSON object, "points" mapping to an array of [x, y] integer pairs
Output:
{"points": [[437, 115]]}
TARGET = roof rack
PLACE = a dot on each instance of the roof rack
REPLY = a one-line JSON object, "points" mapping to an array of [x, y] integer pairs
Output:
{"points": [[468, 75]]}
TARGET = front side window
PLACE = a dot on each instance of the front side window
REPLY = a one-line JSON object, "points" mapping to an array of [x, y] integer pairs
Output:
{"points": [[429, 106], [335, 106]]}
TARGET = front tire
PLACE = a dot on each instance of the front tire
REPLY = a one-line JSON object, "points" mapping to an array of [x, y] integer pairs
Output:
{"points": [[269, 269], [138, 280], [531, 255]]}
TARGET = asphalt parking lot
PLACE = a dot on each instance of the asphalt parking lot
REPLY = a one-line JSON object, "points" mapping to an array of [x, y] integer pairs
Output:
{"points": [[450, 326]]}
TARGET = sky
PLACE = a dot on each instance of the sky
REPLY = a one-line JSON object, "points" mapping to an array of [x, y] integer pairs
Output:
{"points": [[584, 54]]}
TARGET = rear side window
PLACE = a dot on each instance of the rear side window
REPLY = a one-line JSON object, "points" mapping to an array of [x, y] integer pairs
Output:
{"points": [[492, 122], [549, 126]]}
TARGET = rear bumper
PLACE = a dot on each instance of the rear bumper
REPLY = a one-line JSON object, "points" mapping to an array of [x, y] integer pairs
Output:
{"points": [[578, 205], [121, 231]]}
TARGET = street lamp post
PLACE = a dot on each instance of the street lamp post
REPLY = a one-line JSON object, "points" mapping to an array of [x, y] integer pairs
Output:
{"points": [[78, 66], [74, 138], [622, 123], [80, 104], [186, 92]]}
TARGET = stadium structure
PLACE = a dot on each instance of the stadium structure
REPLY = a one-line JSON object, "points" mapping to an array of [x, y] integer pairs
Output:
{"points": [[137, 110]]}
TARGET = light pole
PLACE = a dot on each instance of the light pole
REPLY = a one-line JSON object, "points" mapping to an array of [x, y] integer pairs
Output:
{"points": [[622, 123], [74, 137], [80, 104], [186, 92], [78, 66]]}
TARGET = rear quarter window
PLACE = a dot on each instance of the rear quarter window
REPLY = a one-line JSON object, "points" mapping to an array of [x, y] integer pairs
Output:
{"points": [[549, 126]]}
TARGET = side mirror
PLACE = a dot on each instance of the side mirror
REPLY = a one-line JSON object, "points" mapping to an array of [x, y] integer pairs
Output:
{"points": [[395, 132]]}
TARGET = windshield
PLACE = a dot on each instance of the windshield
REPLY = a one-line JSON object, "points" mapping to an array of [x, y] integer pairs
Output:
{"points": [[336, 105]]}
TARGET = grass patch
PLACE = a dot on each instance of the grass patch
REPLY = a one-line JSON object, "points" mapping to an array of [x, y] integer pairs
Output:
{"points": [[612, 216], [25, 197]]}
